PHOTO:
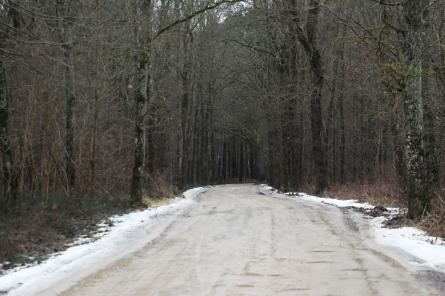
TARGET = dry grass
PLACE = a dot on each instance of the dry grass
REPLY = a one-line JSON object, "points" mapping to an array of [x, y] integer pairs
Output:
{"points": [[379, 193], [160, 187], [36, 227], [434, 223], [154, 203]]}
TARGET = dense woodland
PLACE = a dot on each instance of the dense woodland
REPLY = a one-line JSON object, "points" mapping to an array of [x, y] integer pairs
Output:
{"points": [[111, 97]]}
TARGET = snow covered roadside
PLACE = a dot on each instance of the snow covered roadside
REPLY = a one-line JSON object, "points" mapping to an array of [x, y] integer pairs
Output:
{"points": [[424, 251], [128, 233]]}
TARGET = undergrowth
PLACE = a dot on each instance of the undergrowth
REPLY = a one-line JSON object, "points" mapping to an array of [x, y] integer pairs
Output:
{"points": [[36, 226]]}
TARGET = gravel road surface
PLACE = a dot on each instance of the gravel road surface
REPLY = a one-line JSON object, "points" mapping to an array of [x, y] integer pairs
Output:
{"points": [[236, 241]]}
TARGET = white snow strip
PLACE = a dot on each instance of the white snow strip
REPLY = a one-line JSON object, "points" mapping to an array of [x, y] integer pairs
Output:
{"points": [[425, 251], [128, 233], [330, 201], [336, 202]]}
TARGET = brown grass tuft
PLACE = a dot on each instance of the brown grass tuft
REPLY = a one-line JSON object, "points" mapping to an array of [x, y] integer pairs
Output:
{"points": [[379, 193]]}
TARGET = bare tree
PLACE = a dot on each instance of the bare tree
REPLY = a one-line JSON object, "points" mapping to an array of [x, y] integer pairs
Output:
{"points": [[418, 190]]}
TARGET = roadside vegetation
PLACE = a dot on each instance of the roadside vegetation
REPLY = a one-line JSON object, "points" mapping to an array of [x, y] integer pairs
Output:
{"points": [[37, 227]]}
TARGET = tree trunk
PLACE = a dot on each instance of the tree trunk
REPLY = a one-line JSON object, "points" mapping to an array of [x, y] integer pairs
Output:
{"points": [[341, 109], [63, 11], [69, 121], [419, 200], [9, 180], [429, 107], [317, 129], [308, 41], [142, 96], [93, 161], [140, 106]]}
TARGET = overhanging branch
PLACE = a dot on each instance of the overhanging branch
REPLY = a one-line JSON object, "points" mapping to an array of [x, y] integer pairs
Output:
{"points": [[209, 6]]}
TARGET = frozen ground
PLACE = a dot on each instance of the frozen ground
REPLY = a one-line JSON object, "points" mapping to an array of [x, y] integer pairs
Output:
{"points": [[421, 250], [86, 255]]}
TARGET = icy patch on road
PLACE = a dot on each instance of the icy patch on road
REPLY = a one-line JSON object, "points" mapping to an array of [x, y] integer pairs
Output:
{"points": [[124, 235], [425, 251]]}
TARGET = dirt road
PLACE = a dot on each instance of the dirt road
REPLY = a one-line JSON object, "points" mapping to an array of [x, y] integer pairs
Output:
{"points": [[235, 241]]}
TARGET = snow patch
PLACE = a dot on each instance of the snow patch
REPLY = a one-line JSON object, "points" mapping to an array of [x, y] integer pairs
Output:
{"points": [[315, 199], [425, 251], [192, 193], [126, 234], [336, 202]]}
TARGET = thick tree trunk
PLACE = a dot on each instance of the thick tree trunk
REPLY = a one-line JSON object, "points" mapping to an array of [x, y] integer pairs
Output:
{"points": [[418, 194], [186, 153], [136, 184], [308, 41], [142, 97], [429, 107]]}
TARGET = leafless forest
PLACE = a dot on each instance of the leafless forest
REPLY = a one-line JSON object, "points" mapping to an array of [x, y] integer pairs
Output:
{"points": [[105, 98]]}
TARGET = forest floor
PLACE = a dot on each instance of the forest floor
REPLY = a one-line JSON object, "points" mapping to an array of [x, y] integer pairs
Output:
{"points": [[234, 240], [36, 228]]}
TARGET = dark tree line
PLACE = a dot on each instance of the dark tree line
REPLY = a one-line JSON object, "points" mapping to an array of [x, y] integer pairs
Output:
{"points": [[108, 97]]}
